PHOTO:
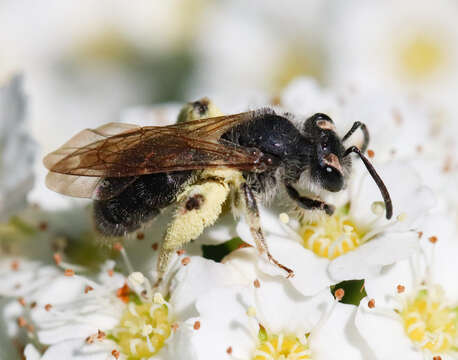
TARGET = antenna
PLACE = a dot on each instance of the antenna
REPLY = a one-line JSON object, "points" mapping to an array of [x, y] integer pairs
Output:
{"points": [[377, 179]]}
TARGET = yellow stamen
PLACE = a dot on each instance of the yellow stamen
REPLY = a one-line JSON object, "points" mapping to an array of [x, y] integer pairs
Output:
{"points": [[332, 236], [430, 323], [281, 347], [143, 330], [421, 57]]}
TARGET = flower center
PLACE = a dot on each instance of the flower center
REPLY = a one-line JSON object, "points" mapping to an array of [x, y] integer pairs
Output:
{"points": [[430, 323], [421, 57], [143, 329], [332, 236], [296, 63], [281, 347]]}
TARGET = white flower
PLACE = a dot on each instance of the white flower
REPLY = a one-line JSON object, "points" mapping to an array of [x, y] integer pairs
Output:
{"points": [[269, 319], [413, 305], [93, 318], [355, 242], [409, 47], [252, 49], [17, 150], [398, 127]]}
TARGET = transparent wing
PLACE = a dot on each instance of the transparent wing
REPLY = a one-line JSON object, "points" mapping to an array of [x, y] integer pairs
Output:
{"points": [[145, 150]]}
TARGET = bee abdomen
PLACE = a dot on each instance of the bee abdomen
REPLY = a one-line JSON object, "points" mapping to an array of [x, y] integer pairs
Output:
{"points": [[138, 203]]}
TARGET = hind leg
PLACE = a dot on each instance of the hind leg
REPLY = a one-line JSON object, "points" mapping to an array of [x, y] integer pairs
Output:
{"points": [[199, 207]]}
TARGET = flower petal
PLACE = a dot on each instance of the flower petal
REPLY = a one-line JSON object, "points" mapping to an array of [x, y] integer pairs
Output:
{"points": [[367, 260], [385, 335]]}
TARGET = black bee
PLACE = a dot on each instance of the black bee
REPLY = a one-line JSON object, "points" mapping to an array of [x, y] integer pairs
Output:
{"points": [[133, 172]]}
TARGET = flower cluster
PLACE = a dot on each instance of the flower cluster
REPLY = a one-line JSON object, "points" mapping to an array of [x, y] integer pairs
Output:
{"points": [[364, 287]]}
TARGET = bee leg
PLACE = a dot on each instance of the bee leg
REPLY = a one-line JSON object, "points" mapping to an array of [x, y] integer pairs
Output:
{"points": [[253, 219], [309, 204], [199, 207]]}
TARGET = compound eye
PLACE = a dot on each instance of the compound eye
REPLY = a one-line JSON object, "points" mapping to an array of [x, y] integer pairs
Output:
{"points": [[332, 179]]}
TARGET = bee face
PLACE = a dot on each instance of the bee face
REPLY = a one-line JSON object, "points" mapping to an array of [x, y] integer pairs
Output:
{"points": [[329, 168]]}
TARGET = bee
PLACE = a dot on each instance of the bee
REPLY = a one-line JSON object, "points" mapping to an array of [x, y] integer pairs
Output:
{"points": [[132, 173]]}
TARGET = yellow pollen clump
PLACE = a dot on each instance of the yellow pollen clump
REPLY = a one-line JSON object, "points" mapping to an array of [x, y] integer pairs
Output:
{"points": [[280, 347], [421, 57], [430, 323], [143, 330], [332, 236]]}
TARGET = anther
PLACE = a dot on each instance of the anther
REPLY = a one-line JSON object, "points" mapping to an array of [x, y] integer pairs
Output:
{"points": [[15, 265], [137, 278], [378, 207], [180, 252], [251, 311], [432, 239], [90, 339], [123, 293], [229, 350], [48, 307], [437, 358], [174, 327], [101, 335], [43, 226], [257, 284], [57, 258], [140, 236], [420, 234], [110, 272], [196, 325], [185, 261], [402, 217], [33, 304], [400, 289], [117, 246], [88, 288], [339, 294], [371, 304], [158, 299], [21, 301], [155, 246], [115, 354], [370, 153], [69, 272], [147, 329], [284, 218]]}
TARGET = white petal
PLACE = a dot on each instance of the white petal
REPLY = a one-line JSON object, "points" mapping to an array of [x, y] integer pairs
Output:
{"points": [[78, 350], [368, 259], [224, 323], [280, 306], [195, 280], [383, 287], [385, 336], [310, 270], [31, 352], [17, 149], [338, 338], [282, 309]]}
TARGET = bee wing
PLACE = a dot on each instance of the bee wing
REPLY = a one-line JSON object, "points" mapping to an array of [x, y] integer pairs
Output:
{"points": [[91, 187], [146, 150]]}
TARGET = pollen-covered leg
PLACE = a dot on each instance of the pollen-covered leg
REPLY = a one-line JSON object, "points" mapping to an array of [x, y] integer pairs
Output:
{"points": [[252, 216], [198, 207]]}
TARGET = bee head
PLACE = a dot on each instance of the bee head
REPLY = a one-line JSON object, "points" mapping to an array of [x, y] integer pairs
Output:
{"points": [[329, 166]]}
